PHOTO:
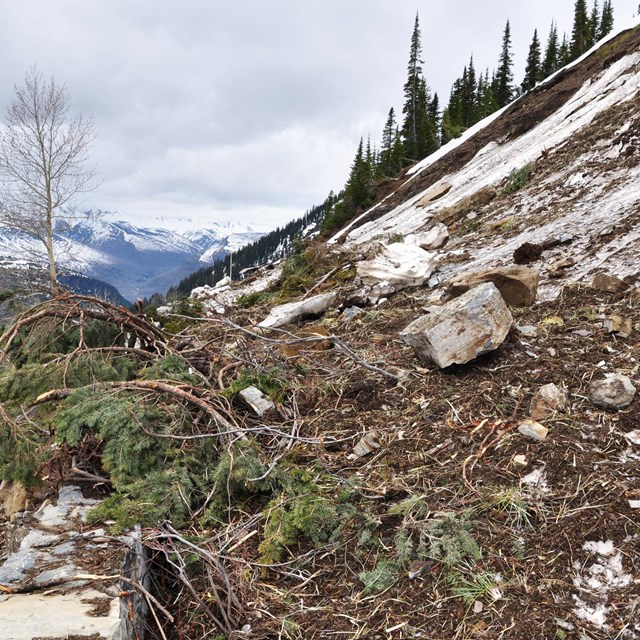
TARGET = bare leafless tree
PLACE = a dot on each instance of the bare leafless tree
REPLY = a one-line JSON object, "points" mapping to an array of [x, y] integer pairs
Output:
{"points": [[43, 156]]}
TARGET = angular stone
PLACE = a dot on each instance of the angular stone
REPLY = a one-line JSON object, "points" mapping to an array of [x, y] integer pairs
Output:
{"points": [[258, 401], [292, 312], [433, 193], [517, 285], [549, 399], [432, 240], [616, 391], [461, 330], [609, 284], [619, 324], [532, 429]]}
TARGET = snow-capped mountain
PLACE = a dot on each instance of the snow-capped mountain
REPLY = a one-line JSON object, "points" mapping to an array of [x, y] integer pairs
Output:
{"points": [[138, 260]]}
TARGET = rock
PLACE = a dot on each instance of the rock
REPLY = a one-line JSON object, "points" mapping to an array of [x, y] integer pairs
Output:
{"points": [[558, 269], [13, 498], [433, 239], [258, 401], [316, 332], [634, 504], [548, 400], [609, 284], [367, 445], [351, 312], [532, 429], [517, 285], [527, 330], [616, 391], [293, 311], [461, 330], [397, 265], [433, 193], [620, 325]]}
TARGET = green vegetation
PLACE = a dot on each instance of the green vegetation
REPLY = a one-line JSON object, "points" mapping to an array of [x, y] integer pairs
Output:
{"points": [[517, 179]]}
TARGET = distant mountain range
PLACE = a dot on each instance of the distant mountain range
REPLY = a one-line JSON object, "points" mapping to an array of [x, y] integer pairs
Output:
{"points": [[137, 260]]}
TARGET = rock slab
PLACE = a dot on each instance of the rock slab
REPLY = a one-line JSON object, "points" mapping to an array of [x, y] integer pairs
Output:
{"points": [[616, 391], [517, 285], [461, 330]]}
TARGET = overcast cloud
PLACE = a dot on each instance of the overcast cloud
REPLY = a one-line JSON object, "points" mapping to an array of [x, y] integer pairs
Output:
{"points": [[248, 110]]}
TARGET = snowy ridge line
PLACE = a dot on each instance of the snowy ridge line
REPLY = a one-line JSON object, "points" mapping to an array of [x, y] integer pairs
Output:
{"points": [[494, 162]]}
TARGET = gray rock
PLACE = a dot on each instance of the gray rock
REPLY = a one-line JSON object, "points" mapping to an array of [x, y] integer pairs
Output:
{"points": [[616, 391], [534, 430], [433, 193], [433, 239], [549, 399], [257, 400], [461, 330]]}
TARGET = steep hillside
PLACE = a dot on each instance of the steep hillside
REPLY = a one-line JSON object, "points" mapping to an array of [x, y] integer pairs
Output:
{"points": [[563, 159], [427, 428]]}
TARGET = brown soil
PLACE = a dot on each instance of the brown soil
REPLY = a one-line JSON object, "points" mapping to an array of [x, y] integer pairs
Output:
{"points": [[449, 437]]}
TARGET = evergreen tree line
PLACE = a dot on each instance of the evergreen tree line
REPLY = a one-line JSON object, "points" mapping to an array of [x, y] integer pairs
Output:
{"points": [[473, 96]]}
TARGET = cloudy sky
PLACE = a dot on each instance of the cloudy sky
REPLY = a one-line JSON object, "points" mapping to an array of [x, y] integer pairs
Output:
{"points": [[247, 110]]}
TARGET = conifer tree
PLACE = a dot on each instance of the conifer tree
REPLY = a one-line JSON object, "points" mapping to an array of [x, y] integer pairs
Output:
{"points": [[411, 110], [504, 74], [386, 166], [533, 70], [564, 52], [486, 99], [594, 24], [606, 19], [551, 53], [581, 32]]}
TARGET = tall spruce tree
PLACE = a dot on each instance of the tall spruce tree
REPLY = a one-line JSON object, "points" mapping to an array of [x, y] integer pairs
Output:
{"points": [[551, 52], [533, 69], [418, 130], [504, 74], [581, 32], [606, 19], [411, 109]]}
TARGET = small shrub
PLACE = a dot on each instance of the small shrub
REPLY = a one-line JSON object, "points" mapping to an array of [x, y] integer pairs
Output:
{"points": [[517, 179], [384, 575], [252, 298]]}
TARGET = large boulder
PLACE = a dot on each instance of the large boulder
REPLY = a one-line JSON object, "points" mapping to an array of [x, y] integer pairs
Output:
{"points": [[518, 285], [461, 330]]}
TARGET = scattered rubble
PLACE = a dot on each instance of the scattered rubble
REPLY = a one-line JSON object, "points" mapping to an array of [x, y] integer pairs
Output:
{"points": [[461, 330], [621, 325]]}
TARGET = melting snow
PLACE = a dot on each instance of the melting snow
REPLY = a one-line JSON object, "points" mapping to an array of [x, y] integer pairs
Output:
{"points": [[598, 580]]}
